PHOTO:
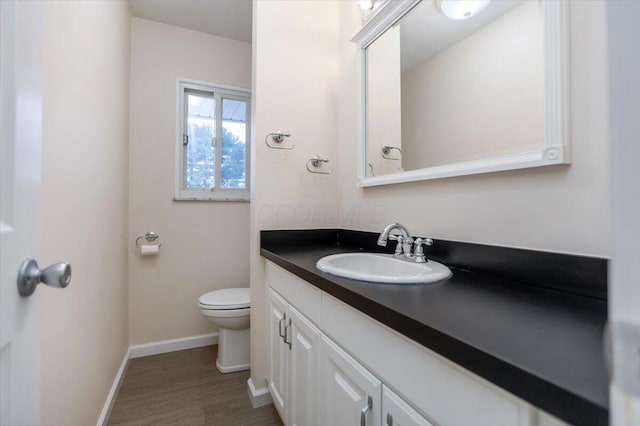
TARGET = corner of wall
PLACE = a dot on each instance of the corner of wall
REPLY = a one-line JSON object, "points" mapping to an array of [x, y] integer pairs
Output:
{"points": [[295, 77]]}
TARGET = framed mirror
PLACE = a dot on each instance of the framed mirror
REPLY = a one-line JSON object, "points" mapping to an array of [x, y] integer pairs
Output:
{"points": [[444, 95]]}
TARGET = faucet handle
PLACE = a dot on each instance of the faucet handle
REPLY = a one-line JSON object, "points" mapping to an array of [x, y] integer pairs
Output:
{"points": [[424, 241], [400, 240], [418, 251]]}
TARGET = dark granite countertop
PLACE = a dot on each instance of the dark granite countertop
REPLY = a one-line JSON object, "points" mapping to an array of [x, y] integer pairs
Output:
{"points": [[541, 344]]}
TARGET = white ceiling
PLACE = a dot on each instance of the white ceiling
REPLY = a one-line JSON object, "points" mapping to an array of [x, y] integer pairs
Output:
{"points": [[425, 31], [224, 18]]}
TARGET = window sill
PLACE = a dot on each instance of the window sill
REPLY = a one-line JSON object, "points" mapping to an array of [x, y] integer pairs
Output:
{"points": [[223, 199]]}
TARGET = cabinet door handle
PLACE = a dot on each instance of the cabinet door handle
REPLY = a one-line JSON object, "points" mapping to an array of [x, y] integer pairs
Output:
{"points": [[365, 410], [284, 317], [287, 327], [389, 420]]}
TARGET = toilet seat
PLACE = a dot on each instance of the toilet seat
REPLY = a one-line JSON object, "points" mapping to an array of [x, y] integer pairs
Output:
{"points": [[226, 299], [225, 313]]}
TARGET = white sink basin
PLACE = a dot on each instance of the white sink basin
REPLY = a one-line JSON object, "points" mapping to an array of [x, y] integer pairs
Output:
{"points": [[382, 268]]}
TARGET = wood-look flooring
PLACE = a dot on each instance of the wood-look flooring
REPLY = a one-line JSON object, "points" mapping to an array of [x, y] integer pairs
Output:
{"points": [[185, 388]]}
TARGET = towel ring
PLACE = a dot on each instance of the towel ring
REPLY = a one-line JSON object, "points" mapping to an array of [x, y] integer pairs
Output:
{"points": [[278, 137], [386, 150], [317, 162]]}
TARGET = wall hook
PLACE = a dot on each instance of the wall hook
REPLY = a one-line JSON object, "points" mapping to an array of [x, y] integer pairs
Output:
{"points": [[386, 151], [317, 162], [278, 137]]}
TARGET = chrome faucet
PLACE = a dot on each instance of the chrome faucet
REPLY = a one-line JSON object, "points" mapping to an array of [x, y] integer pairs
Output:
{"points": [[403, 249], [405, 240]]}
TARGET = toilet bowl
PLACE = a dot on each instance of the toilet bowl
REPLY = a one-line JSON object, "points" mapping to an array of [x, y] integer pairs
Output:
{"points": [[229, 309]]}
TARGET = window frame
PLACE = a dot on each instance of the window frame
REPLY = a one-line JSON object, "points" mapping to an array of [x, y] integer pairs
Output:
{"points": [[219, 92]]}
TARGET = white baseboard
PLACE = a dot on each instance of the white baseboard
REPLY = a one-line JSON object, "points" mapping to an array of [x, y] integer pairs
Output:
{"points": [[258, 397], [108, 404], [164, 346]]}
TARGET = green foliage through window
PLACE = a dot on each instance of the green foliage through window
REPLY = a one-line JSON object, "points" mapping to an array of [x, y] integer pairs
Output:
{"points": [[232, 169], [201, 158]]}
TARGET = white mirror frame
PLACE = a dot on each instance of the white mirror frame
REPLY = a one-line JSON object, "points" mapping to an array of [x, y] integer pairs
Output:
{"points": [[556, 148]]}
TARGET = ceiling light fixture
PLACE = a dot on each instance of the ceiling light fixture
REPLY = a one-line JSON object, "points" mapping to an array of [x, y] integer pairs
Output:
{"points": [[461, 9]]}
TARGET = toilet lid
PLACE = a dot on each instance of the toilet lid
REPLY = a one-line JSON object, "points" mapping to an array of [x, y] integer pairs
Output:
{"points": [[228, 298]]}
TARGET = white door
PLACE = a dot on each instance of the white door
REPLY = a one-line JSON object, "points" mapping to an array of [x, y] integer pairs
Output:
{"points": [[396, 412], [351, 395], [21, 25], [278, 352], [304, 371]]}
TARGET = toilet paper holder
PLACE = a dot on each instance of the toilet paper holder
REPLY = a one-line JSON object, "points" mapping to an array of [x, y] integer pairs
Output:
{"points": [[149, 236]]}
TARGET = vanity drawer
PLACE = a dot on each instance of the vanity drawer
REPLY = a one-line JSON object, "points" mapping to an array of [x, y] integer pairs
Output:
{"points": [[299, 293], [438, 388]]}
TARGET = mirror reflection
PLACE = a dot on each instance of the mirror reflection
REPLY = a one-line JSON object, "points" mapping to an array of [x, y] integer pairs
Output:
{"points": [[443, 90]]}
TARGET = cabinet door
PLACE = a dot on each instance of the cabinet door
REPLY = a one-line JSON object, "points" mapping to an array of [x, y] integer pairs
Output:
{"points": [[396, 412], [278, 352], [304, 370], [351, 396]]}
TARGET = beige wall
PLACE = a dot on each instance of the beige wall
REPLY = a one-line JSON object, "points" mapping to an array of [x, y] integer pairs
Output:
{"points": [[204, 244], [295, 64], [384, 106], [482, 97], [563, 208], [85, 151]]}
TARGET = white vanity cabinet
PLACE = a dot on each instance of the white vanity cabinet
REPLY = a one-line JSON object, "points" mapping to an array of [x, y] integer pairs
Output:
{"points": [[330, 364], [293, 363], [278, 352], [350, 394], [304, 369], [396, 412]]}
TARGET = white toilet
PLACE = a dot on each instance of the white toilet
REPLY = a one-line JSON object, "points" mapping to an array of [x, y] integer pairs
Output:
{"points": [[229, 309]]}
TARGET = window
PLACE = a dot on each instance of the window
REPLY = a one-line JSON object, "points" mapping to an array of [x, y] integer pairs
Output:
{"points": [[212, 145]]}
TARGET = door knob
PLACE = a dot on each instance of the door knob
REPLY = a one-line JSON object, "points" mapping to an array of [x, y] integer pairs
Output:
{"points": [[29, 276]]}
